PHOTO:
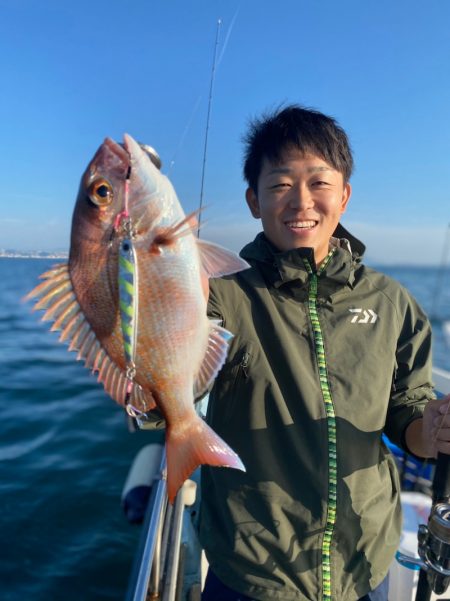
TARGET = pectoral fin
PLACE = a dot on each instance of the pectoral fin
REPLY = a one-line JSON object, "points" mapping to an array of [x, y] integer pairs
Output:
{"points": [[215, 356]]}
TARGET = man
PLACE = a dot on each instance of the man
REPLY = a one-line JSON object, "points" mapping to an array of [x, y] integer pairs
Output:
{"points": [[327, 355]]}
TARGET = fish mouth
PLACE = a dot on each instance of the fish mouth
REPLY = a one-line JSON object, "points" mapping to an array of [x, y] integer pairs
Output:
{"points": [[117, 149], [111, 158], [129, 151], [134, 150]]}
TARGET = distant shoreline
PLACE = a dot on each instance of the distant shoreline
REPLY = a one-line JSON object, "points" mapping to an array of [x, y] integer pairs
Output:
{"points": [[41, 254], [33, 255]]}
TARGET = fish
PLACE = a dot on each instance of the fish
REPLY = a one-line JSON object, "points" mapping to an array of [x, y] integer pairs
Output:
{"points": [[132, 300]]}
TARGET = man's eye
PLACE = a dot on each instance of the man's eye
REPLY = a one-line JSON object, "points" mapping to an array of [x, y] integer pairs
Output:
{"points": [[320, 183], [279, 186]]}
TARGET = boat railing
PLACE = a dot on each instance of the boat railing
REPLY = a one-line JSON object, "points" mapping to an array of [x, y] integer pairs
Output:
{"points": [[148, 552], [157, 572]]}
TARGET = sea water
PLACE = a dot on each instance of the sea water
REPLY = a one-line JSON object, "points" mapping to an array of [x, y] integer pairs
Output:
{"points": [[65, 452]]}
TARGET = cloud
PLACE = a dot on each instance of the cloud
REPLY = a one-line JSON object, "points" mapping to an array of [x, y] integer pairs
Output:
{"points": [[227, 36]]}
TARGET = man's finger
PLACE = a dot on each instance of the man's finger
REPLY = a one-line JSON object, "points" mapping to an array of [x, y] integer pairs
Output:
{"points": [[443, 447]]}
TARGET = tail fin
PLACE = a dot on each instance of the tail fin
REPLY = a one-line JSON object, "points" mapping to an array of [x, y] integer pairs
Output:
{"points": [[193, 445]]}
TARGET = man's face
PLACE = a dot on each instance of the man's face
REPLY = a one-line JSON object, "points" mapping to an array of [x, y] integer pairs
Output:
{"points": [[300, 201]]}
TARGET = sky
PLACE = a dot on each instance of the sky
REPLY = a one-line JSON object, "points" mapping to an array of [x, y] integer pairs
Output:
{"points": [[73, 73]]}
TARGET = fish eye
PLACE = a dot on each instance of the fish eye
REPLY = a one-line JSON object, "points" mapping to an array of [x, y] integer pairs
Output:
{"points": [[101, 193]]}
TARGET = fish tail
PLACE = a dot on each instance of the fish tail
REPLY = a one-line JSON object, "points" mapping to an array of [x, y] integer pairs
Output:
{"points": [[193, 445]]}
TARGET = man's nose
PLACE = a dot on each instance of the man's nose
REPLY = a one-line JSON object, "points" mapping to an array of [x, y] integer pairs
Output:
{"points": [[300, 197]]}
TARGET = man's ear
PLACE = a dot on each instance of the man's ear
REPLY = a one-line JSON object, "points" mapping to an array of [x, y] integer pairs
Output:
{"points": [[346, 196], [253, 203]]}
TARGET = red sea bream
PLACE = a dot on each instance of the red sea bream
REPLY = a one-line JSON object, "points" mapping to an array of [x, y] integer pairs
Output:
{"points": [[132, 301]]}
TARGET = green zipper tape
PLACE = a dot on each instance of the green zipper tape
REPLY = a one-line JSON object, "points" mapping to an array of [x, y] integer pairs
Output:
{"points": [[331, 426]]}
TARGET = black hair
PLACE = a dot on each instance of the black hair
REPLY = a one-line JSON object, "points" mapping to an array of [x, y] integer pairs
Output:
{"points": [[298, 127]]}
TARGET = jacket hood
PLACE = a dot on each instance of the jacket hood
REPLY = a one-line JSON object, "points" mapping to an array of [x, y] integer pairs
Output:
{"points": [[261, 249], [287, 266]]}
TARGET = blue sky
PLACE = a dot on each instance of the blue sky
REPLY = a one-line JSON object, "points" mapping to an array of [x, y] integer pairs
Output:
{"points": [[75, 72]]}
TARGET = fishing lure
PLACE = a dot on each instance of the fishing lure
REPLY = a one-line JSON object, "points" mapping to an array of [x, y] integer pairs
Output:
{"points": [[128, 300], [128, 296]]}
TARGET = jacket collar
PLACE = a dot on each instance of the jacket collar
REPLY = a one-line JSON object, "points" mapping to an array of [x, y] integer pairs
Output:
{"points": [[289, 266]]}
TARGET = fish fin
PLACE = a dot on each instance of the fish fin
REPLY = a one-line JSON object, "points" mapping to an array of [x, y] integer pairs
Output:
{"points": [[192, 445], [142, 400], [57, 275], [57, 297], [214, 358], [167, 236], [218, 261]]}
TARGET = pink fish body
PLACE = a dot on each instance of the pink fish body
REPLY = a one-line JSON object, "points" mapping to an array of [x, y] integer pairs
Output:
{"points": [[132, 301]]}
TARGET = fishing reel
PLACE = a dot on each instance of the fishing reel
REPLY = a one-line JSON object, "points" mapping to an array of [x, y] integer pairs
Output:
{"points": [[433, 549], [434, 538]]}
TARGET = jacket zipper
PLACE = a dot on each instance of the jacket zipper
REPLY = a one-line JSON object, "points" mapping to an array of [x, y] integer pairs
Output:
{"points": [[241, 372], [244, 363], [331, 425]]}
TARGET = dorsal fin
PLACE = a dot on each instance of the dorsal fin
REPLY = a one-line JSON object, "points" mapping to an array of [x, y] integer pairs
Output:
{"points": [[58, 298], [214, 358], [218, 261]]}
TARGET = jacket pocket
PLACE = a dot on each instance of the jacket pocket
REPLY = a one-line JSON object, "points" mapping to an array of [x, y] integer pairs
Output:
{"points": [[229, 389]]}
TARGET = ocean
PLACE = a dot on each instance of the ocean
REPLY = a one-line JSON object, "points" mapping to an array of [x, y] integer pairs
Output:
{"points": [[65, 451]]}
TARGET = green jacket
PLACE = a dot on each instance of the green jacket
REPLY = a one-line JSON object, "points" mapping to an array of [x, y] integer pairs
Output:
{"points": [[321, 364]]}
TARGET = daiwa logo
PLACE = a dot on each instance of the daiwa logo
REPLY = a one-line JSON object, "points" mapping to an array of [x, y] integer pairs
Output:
{"points": [[363, 316]]}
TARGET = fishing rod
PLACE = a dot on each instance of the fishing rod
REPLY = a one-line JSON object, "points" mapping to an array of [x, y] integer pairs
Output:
{"points": [[208, 117]]}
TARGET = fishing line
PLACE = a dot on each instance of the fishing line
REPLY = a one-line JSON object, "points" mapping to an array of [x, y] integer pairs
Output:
{"points": [[125, 214], [442, 421], [183, 135]]}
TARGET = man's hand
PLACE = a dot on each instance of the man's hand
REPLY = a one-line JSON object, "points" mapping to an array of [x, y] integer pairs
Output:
{"points": [[430, 434], [436, 427]]}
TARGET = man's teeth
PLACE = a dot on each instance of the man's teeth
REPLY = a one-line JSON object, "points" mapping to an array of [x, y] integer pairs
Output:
{"points": [[301, 224]]}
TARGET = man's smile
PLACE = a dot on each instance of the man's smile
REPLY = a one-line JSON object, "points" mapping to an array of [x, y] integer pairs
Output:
{"points": [[301, 225]]}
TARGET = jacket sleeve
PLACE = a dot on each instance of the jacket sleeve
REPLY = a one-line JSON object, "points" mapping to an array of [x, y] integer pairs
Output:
{"points": [[214, 307], [411, 386]]}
